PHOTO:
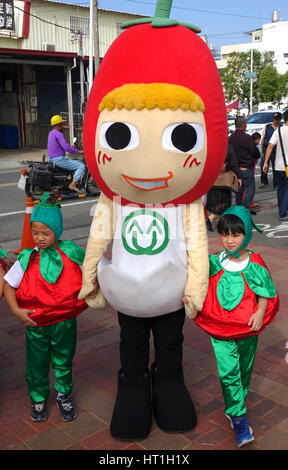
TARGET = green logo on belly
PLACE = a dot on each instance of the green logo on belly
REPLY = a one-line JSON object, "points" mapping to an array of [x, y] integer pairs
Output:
{"points": [[145, 232]]}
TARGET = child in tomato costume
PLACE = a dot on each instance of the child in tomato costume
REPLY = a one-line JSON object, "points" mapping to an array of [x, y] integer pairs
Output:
{"points": [[155, 137], [41, 295], [241, 301]]}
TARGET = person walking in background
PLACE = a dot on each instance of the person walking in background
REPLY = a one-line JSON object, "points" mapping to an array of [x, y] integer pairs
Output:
{"points": [[247, 154], [41, 290], [266, 135], [256, 139], [219, 199], [241, 301], [57, 148], [279, 140]]}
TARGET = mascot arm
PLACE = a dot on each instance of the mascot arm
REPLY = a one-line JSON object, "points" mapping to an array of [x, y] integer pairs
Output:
{"points": [[198, 260], [101, 234]]}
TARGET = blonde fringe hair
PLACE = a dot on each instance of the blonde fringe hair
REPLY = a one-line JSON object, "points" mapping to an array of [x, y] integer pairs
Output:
{"points": [[152, 95]]}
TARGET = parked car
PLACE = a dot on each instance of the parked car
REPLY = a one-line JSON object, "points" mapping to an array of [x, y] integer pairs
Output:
{"points": [[256, 121]]}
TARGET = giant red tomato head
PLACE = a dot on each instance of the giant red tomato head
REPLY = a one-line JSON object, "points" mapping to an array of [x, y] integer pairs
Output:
{"points": [[155, 129]]}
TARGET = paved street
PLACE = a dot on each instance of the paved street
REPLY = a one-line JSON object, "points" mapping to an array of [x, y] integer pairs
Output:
{"points": [[95, 369], [77, 212], [97, 359]]}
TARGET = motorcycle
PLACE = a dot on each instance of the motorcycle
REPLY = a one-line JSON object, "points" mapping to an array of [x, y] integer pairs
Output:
{"points": [[37, 177]]}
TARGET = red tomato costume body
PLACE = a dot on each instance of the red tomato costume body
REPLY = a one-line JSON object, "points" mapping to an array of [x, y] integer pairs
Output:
{"points": [[233, 324], [54, 302]]}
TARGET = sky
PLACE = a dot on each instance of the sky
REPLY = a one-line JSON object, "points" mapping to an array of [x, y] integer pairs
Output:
{"points": [[224, 22]]}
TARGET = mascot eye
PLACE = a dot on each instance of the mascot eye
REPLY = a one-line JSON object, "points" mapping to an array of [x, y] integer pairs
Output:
{"points": [[186, 137], [119, 136]]}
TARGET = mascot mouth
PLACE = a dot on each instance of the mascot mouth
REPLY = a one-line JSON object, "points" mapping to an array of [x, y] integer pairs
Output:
{"points": [[148, 184]]}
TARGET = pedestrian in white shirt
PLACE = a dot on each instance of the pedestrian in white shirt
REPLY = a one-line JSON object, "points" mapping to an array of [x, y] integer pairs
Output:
{"points": [[281, 134]]}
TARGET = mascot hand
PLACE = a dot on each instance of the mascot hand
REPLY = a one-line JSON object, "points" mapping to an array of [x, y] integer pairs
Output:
{"points": [[85, 291], [93, 296], [190, 308], [98, 302]]}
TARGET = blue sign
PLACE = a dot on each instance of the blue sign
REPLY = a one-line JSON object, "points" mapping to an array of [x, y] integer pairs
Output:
{"points": [[251, 75]]}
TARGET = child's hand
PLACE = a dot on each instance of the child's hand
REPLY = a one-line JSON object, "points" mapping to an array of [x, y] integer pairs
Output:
{"points": [[7, 262], [256, 321], [23, 315]]}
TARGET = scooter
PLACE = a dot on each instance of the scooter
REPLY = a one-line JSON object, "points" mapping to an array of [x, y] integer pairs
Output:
{"points": [[37, 177]]}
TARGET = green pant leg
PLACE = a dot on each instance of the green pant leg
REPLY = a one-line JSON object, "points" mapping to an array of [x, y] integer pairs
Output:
{"points": [[63, 345], [247, 349], [228, 364], [38, 362]]}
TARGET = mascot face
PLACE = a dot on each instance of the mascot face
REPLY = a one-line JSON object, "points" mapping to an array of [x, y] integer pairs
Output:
{"points": [[155, 128], [150, 155]]}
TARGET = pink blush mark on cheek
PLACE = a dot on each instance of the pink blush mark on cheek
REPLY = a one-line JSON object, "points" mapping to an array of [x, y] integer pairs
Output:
{"points": [[193, 161], [104, 158]]}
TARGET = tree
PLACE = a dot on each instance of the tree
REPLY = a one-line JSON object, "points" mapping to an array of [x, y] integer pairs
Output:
{"points": [[282, 88], [235, 83], [268, 84], [272, 85]]}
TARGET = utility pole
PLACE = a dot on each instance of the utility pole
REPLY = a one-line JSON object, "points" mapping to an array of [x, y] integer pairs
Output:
{"points": [[251, 82], [96, 37], [82, 78], [91, 43]]}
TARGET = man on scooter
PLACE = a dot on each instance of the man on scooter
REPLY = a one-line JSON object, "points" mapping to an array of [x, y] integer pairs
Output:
{"points": [[57, 148]]}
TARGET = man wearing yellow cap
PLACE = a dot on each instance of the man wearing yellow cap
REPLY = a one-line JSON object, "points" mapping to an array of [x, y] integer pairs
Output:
{"points": [[57, 148]]}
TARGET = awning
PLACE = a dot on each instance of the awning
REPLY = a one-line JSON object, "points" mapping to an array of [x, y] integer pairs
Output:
{"points": [[25, 56], [233, 105]]}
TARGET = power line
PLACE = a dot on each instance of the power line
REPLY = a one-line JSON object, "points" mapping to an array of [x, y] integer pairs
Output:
{"points": [[227, 34], [136, 1], [85, 2], [45, 21], [203, 11], [55, 24], [149, 3]]}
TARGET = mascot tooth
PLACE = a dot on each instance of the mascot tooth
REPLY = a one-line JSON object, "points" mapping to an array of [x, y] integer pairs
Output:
{"points": [[155, 138]]}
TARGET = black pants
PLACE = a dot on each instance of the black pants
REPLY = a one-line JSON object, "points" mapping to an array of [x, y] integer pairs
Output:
{"points": [[282, 193], [135, 336], [246, 192]]}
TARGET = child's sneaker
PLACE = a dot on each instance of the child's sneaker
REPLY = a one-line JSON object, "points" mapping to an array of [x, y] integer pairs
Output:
{"points": [[66, 407], [38, 411], [242, 429]]}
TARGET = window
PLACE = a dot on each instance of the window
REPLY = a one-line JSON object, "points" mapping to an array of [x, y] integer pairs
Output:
{"points": [[285, 55], [260, 118], [257, 36], [78, 23]]}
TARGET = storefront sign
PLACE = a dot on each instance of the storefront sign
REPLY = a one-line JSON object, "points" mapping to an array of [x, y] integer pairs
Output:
{"points": [[7, 15]]}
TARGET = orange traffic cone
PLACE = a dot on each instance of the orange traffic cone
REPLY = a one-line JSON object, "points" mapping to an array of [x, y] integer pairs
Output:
{"points": [[27, 239]]}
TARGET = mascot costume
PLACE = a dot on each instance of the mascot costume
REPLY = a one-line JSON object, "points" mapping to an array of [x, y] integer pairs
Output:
{"points": [[155, 139]]}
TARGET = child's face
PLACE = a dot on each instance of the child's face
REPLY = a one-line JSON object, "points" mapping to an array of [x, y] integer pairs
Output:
{"points": [[257, 141], [42, 235], [232, 241]]}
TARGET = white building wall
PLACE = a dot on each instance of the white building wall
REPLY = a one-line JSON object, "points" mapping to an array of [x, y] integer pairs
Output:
{"points": [[59, 14], [274, 39]]}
